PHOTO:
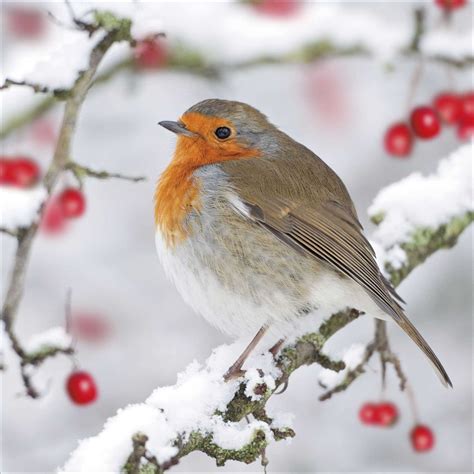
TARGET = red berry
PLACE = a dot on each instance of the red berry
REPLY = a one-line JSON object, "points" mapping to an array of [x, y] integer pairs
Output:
{"points": [[72, 202], [26, 23], [398, 140], [387, 414], [449, 107], [466, 128], [425, 122], [467, 101], [43, 132], [89, 327], [450, 4], [277, 7], [81, 388], [150, 54], [23, 172], [5, 170], [422, 438], [368, 414], [53, 220]]}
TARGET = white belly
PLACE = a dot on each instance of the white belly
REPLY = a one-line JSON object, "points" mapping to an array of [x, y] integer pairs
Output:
{"points": [[237, 314]]}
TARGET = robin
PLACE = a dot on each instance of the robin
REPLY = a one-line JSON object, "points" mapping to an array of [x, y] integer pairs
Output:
{"points": [[256, 231]]}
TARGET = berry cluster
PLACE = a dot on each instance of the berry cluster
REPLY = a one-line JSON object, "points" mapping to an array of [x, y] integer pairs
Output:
{"points": [[69, 204], [18, 171], [425, 122], [378, 414], [386, 414]]}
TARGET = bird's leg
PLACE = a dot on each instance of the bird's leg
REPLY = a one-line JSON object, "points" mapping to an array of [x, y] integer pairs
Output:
{"points": [[235, 370], [276, 347]]}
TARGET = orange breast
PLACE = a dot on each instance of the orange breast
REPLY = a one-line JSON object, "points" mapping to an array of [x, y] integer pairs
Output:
{"points": [[177, 193]]}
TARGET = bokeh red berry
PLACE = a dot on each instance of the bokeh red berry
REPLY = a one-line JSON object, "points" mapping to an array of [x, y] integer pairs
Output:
{"points": [[279, 8], [81, 388], [422, 438], [72, 202], [150, 53], [425, 122], [399, 140], [449, 107]]}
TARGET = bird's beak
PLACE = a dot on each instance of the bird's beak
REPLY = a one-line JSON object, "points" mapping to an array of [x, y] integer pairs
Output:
{"points": [[176, 127]]}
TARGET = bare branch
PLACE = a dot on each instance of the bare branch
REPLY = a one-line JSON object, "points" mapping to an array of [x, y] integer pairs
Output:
{"points": [[308, 350], [58, 164], [81, 171], [184, 58], [10, 232], [35, 87]]}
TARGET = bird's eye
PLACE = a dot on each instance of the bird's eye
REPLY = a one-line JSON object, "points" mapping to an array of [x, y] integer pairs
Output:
{"points": [[222, 133]]}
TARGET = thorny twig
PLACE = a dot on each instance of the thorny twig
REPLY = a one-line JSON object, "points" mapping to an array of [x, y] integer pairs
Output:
{"points": [[381, 345]]}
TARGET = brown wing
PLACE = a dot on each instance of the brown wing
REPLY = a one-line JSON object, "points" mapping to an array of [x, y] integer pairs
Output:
{"points": [[305, 205], [332, 237]]}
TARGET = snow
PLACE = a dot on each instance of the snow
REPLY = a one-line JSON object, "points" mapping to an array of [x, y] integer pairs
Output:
{"points": [[53, 337], [254, 381], [194, 402], [19, 207], [448, 42], [175, 411], [108, 451], [352, 357], [419, 201], [60, 66], [57, 60]]}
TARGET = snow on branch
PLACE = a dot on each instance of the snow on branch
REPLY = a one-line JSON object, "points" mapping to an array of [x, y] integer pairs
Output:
{"points": [[239, 39], [24, 208], [421, 214], [230, 421]]}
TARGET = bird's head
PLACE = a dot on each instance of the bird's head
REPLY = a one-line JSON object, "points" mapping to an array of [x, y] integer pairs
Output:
{"points": [[218, 130]]}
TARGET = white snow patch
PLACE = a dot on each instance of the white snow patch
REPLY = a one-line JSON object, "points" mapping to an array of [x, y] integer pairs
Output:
{"points": [[281, 420], [59, 67], [448, 42], [424, 201], [109, 450], [53, 337], [19, 207], [238, 34], [352, 357], [255, 379], [177, 410]]}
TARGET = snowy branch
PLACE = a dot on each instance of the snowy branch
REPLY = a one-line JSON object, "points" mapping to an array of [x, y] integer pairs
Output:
{"points": [[318, 34], [115, 30], [231, 421]]}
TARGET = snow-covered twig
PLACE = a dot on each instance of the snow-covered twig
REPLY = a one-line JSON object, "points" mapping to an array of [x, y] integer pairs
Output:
{"points": [[320, 32], [204, 413], [116, 30], [35, 87]]}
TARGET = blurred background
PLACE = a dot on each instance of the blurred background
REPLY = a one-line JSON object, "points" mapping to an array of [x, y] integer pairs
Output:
{"points": [[135, 331]]}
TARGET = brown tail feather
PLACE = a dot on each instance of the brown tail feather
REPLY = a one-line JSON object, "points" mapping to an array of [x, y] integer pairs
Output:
{"points": [[411, 330]]}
